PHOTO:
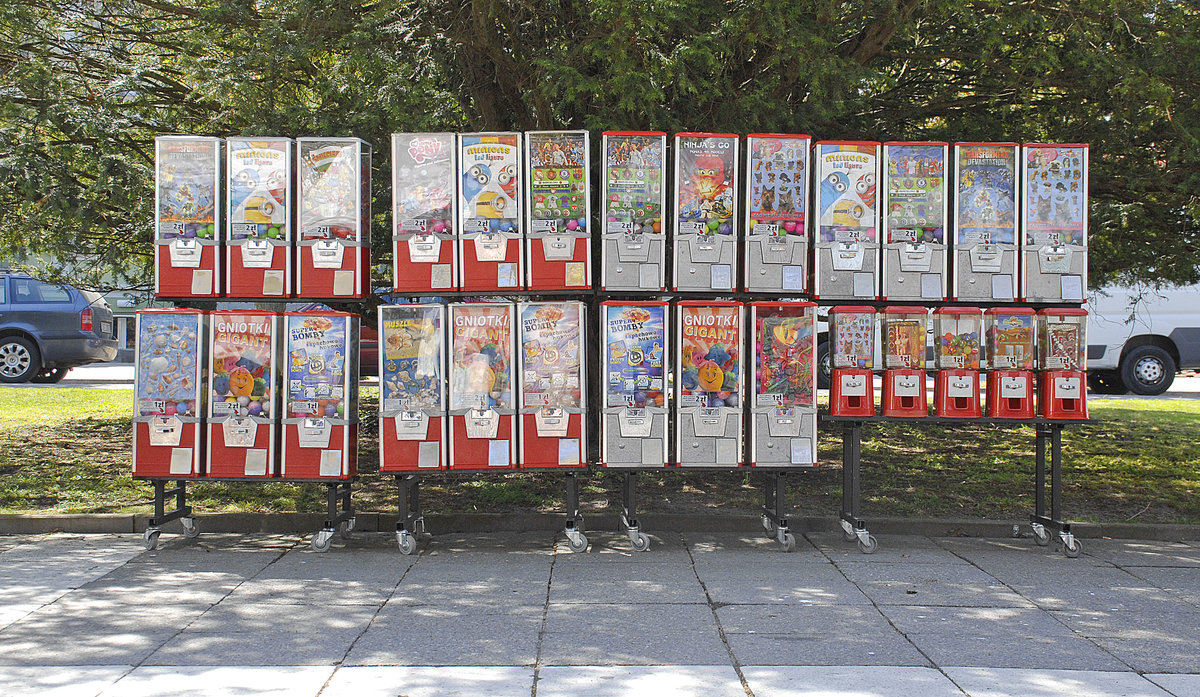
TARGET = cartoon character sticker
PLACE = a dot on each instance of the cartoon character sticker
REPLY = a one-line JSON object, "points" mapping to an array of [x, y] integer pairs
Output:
{"points": [[635, 355], [329, 190], [258, 188], [784, 343], [166, 364], [489, 192], [551, 365], [481, 358], [710, 356], [984, 202], [241, 365], [846, 192], [557, 181], [633, 190], [1010, 342], [916, 194], [187, 181], [904, 343], [1063, 346], [777, 187], [853, 339], [1055, 194], [412, 359], [704, 177], [316, 373], [423, 182]]}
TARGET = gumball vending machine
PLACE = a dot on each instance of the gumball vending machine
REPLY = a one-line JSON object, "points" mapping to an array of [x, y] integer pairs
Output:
{"points": [[904, 332], [168, 429], [847, 227], [706, 194], [412, 378], [334, 218], [956, 351], [320, 431], [777, 238], [633, 256], [985, 221], [1054, 217], [558, 206], [258, 241], [424, 215], [491, 243], [708, 415], [636, 398], [553, 384], [1010, 342], [243, 405], [783, 432], [914, 221], [1062, 358], [483, 416], [187, 216], [851, 358]]}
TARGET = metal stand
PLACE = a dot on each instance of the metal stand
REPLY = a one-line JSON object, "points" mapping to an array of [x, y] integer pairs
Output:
{"points": [[182, 512], [576, 540], [411, 525], [637, 538], [1039, 521], [854, 527], [335, 520], [774, 516]]}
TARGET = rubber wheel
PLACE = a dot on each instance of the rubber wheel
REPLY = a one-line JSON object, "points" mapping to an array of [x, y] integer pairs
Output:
{"points": [[19, 360], [321, 543], [346, 528], [150, 538], [848, 536], [1041, 537], [50, 376], [641, 543], [190, 530], [824, 368], [1106, 382], [579, 546], [869, 546], [1072, 549], [407, 544], [789, 542], [1147, 370]]}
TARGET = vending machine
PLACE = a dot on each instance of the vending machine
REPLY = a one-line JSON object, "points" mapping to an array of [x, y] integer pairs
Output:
{"points": [[412, 383], [783, 429], [777, 237], [553, 426], [904, 332], [636, 398], [320, 431], [168, 426], [956, 350], [258, 237], [985, 221], [1054, 217], [1010, 351], [914, 221], [243, 414], [708, 412], [491, 243], [1062, 358], [424, 215], [633, 256], [706, 193], [847, 227], [187, 216], [558, 205], [483, 416], [851, 359], [334, 218]]}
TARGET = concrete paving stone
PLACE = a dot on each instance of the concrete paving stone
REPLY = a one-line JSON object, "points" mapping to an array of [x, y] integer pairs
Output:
{"points": [[1027, 574], [626, 583], [1178, 685], [857, 681], [86, 616], [1009, 682], [221, 681], [755, 547], [28, 594], [996, 622], [234, 616], [306, 592], [1143, 552], [783, 619], [102, 548], [1166, 655], [426, 681], [196, 560], [12, 613], [1182, 582], [905, 549], [475, 583], [297, 645], [931, 590], [374, 566], [988, 552], [1031, 652], [637, 681], [813, 584], [916, 573], [1098, 598], [100, 645], [154, 585], [501, 545], [439, 636], [820, 646], [60, 681], [597, 635], [232, 542], [613, 546], [1136, 626]]}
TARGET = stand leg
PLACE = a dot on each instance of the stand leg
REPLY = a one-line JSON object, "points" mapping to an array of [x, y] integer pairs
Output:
{"points": [[637, 538], [853, 527], [774, 517], [162, 516], [337, 496], [576, 540], [411, 523]]}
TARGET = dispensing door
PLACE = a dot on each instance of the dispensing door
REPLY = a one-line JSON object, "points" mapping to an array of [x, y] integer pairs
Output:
{"points": [[784, 411], [1054, 217], [171, 350], [636, 399], [489, 199], [985, 221], [412, 379], [187, 216], [553, 390], [259, 239], [708, 418], [334, 218], [914, 221], [320, 431], [243, 414], [424, 215], [847, 227], [559, 210], [705, 223], [777, 236], [483, 415], [632, 204]]}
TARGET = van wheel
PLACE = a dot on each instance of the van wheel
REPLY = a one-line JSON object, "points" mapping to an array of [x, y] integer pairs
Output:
{"points": [[824, 366], [1106, 382], [1148, 370], [19, 359]]}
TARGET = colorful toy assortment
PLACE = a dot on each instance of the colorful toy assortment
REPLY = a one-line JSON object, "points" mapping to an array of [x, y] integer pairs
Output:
{"points": [[853, 339], [551, 360], [957, 342], [633, 189], [710, 353], [329, 189], [985, 202], [168, 346], [558, 189], [784, 360], [1010, 339], [635, 355], [423, 214], [242, 348], [411, 342], [481, 360], [1055, 194], [916, 192]]}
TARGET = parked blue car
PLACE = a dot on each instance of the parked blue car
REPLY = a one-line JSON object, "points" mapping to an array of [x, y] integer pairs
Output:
{"points": [[47, 329]]}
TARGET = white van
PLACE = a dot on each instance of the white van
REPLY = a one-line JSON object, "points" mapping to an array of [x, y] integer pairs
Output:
{"points": [[1138, 337]]}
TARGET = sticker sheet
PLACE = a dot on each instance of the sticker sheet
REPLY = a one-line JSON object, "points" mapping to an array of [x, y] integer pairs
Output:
{"points": [[259, 178], [187, 180], [551, 364], [1063, 346], [241, 365], [481, 358], [490, 190], [710, 356], [984, 203], [1010, 340], [633, 183], [704, 182], [317, 349], [776, 188], [166, 364], [904, 343], [853, 339], [784, 341], [916, 193], [1055, 195], [329, 190], [412, 359], [846, 192], [558, 181], [958, 345], [423, 182], [635, 355]]}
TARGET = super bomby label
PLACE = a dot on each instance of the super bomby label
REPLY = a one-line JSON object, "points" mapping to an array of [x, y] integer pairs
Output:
{"points": [[317, 351], [635, 356], [552, 370], [710, 356]]}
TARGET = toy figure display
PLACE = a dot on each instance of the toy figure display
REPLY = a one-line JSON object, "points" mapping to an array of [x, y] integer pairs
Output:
{"points": [[985, 221], [784, 412], [424, 215], [320, 430], [914, 221], [412, 379], [187, 216], [634, 415], [334, 218], [1054, 217], [242, 407], [258, 242], [705, 231], [957, 353], [1062, 358], [559, 210], [1010, 351], [847, 229], [169, 393], [708, 414], [631, 206], [553, 375], [491, 243], [483, 426], [852, 356], [903, 341], [777, 237]]}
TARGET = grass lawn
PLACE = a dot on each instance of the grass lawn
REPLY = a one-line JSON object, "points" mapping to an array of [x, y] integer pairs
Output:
{"points": [[68, 451]]}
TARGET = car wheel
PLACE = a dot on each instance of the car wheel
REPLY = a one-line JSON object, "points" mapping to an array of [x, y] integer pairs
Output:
{"points": [[51, 375], [1106, 382], [1148, 370], [824, 367], [19, 359]]}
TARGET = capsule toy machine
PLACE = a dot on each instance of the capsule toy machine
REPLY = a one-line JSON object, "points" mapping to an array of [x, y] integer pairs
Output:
{"points": [[708, 413], [187, 216], [1010, 333], [1054, 216], [851, 360], [492, 240], [168, 427], [903, 338], [633, 253], [424, 214], [957, 353], [706, 195], [636, 399], [553, 430], [558, 205], [320, 431], [334, 218], [483, 416], [847, 224], [777, 238], [258, 241], [985, 222], [783, 432], [1062, 358], [412, 378], [243, 414], [914, 221]]}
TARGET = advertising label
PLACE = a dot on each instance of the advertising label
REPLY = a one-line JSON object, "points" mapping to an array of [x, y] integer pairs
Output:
{"points": [[785, 355], [258, 189], [187, 181], [704, 182], [846, 194], [984, 204], [329, 193], [412, 364], [633, 180], [558, 186], [1011, 340], [853, 339], [777, 185], [423, 192], [166, 365], [316, 371], [481, 363], [635, 355], [916, 193], [1055, 195], [551, 370], [711, 354], [489, 191], [241, 365]]}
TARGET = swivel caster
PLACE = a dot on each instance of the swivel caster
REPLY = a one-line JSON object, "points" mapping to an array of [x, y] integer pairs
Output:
{"points": [[346, 528], [1040, 536], [867, 544], [640, 542], [767, 525], [576, 541], [849, 534], [190, 529], [788, 542], [406, 541], [150, 538], [322, 540], [1071, 546]]}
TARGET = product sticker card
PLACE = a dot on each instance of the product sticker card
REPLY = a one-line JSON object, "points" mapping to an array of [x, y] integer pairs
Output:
{"points": [[551, 369], [558, 165], [635, 355], [481, 359], [259, 185], [710, 355], [1063, 347], [984, 203], [1012, 342], [489, 194], [422, 182], [777, 186], [916, 193], [905, 343], [633, 169], [316, 371], [412, 359], [187, 180], [241, 365], [846, 192], [853, 339], [784, 340], [329, 190], [704, 182], [1055, 195], [166, 365]]}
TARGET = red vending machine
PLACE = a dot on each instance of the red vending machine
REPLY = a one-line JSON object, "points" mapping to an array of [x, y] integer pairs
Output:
{"points": [[777, 238], [490, 247], [242, 410], [636, 399], [956, 332], [1062, 358], [187, 216], [851, 358], [783, 432], [904, 332], [708, 413], [558, 207], [424, 216], [1010, 352], [553, 384], [412, 378], [320, 431], [334, 218], [168, 425], [258, 240], [483, 416]]}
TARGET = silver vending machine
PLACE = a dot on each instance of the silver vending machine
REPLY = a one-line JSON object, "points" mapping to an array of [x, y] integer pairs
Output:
{"points": [[985, 222], [847, 226], [914, 221], [708, 412], [705, 222], [784, 412], [633, 254], [1054, 218], [636, 399], [777, 235]]}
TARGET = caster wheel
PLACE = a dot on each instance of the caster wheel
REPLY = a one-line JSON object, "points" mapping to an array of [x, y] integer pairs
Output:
{"points": [[579, 524], [577, 542], [346, 528], [406, 542], [322, 541], [418, 527], [789, 542], [849, 535], [766, 523], [150, 538], [1072, 548], [869, 545], [1040, 536], [641, 543], [190, 529]]}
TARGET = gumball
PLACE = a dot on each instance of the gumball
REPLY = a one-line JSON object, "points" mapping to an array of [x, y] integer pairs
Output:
{"points": [[340, 409], [733, 400], [266, 407], [220, 385], [659, 399], [182, 408], [713, 225], [725, 229], [612, 218], [243, 401], [169, 410], [790, 226], [572, 225], [231, 400], [255, 408], [657, 226], [437, 226], [331, 410], [723, 395], [753, 222], [582, 223], [506, 226]]}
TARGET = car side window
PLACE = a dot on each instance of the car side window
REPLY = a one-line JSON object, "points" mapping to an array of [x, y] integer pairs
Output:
{"points": [[3, 290], [28, 290]]}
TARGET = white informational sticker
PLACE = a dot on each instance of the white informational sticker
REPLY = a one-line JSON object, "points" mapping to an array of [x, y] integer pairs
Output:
{"points": [[568, 451], [499, 454], [202, 282], [793, 278], [331, 463], [722, 276], [1072, 288], [931, 286], [1002, 286], [802, 451], [343, 282], [256, 462], [181, 461], [864, 285]]}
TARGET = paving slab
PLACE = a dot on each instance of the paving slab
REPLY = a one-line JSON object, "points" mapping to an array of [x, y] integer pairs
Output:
{"points": [[502, 546], [369, 565], [638, 681], [1178, 685], [1000, 623], [1008, 682], [63, 681], [272, 591], [1153, 655], [1094, 597], [448, 636], [892, 548], [236, 616], [479, 584], [754, 548], [221, 681], [1183, 582], [935, 587], [859, 681], [39, 646], [1032, 652], [613, 546], [1143, 553], [626, 583], [425, 681], [780, 583], [279, 646], [599, 635], [826, 647]]}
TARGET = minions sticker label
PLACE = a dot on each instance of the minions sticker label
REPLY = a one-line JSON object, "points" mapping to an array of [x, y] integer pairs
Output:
{"points": [[259, 175], [489, 192], [846, 193]]}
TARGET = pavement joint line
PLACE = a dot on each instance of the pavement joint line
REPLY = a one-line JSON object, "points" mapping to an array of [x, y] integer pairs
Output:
{"points": [[537, 657], [712, 607]]}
